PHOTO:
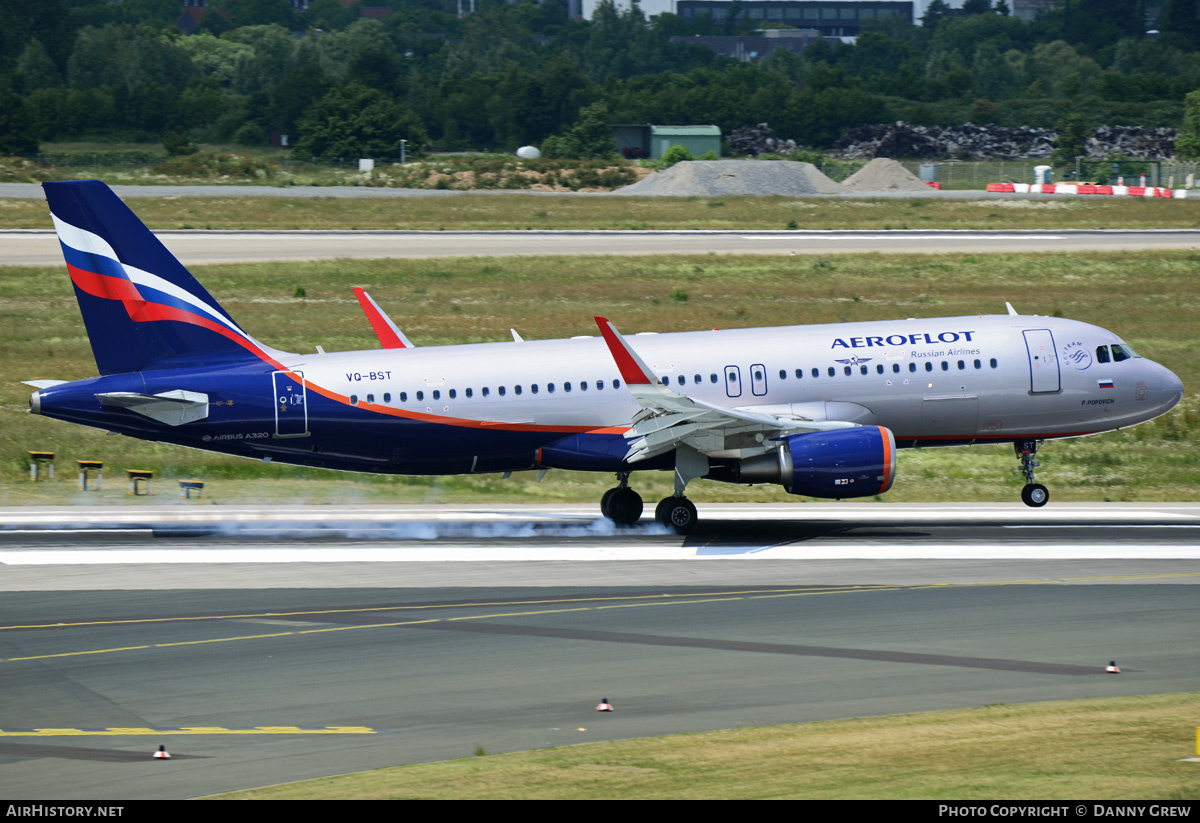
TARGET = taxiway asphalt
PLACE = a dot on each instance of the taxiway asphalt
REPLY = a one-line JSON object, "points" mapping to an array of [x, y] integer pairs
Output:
{"points": [[265, 645], [197, 247]]}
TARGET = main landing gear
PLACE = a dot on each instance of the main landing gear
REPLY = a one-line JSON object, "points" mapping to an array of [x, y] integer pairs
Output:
{"points": [[1033, 494], [623, 505]]}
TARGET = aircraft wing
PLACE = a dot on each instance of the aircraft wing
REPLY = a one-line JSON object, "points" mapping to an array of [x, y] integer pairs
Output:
{"points": [[668, 418], [389, 335]]}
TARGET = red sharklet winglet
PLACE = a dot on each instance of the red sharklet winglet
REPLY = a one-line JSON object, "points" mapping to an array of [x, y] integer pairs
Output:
{"points": [[633, 371], [389, 336]]}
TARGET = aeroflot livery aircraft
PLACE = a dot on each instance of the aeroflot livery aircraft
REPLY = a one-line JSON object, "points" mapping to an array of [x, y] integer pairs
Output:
{"points": [[819, 410]]}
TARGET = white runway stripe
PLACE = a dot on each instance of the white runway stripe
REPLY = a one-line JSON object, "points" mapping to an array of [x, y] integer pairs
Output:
{"points": [[442, 553]]}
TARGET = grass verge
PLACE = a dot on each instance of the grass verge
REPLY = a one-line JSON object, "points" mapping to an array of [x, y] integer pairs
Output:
{"points": [[1151, 299], [532, 212], [1104, 749]]}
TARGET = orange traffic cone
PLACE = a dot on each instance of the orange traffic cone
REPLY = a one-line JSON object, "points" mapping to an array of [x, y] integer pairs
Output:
{"points": [[1111, 668], [162, 753], [604, 706]]}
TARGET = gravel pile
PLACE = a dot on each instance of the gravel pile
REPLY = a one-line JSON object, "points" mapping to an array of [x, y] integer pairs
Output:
{"points": [[882, 174], [728, 178]]}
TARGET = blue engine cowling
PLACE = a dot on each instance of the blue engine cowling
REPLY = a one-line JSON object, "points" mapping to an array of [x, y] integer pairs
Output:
{"points": [[856, 462]]}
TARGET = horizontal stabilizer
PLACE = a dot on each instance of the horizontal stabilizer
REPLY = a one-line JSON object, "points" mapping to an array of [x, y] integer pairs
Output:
{"points": [[174, 408], [43, 384]]}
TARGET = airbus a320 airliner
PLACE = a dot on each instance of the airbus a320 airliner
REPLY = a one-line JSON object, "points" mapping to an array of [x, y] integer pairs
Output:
{"points": [[820, 410]]}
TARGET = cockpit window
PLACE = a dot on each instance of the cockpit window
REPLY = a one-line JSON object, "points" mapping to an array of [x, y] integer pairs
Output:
{"points": [[1102, 354], [1122, 352]]}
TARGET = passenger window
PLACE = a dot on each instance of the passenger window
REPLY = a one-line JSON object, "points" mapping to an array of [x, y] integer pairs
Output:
{"points": [[403, 397], [879, 368], [847, 370], [816, 372], [516, 389], [697, 380], [370, 398], [502, 391], [928, 366], [666, 381], [387, 397], [567, 386], [994, 363], [470, 393], [712, 378], [945, 366], [534, 388], [354, 400], [978, 365], [437, 394], [599, 385], [453, 393], [420, 395], [682, 380], [486, 391], [799, 374], [961, 365], [783, 374], [895, 368], [912, 367], [550, 388], [832, 372], [616, 384], [583, 384]]}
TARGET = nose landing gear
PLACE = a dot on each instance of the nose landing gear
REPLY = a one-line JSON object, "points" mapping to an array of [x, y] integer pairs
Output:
{"points": [[1033, 494]]}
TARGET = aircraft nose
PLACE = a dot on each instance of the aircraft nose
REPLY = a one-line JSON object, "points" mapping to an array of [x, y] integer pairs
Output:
{"points": [[1167, 386]]}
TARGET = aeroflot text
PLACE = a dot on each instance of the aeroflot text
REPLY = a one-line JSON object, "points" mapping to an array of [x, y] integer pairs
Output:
{"points": [[901, 340], [1063, 811]]}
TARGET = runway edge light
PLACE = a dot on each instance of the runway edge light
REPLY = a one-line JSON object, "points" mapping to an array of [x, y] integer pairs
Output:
{"points": [[1111, 668], [161, 754], [604, 705]]}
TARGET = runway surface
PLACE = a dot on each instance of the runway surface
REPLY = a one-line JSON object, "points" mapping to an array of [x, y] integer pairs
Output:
{"points": [[265, 645], [195, 247]]}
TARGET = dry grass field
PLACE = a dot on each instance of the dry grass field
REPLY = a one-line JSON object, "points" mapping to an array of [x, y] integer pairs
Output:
{"points": [[1120, 748]]}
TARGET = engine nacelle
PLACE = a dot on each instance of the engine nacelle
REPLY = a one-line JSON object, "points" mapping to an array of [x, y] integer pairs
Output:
{"points": [[857, 462]]}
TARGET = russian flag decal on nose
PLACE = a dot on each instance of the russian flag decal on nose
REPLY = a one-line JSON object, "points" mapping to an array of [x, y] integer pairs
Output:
{"points": [[1104, 384]]}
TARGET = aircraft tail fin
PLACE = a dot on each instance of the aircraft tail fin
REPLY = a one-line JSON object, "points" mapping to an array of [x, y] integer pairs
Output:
{"points": [[141, 307]]}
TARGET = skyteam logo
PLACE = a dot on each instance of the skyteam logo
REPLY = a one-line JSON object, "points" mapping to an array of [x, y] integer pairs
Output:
{"points": [[902, 340], [1077, 355]]}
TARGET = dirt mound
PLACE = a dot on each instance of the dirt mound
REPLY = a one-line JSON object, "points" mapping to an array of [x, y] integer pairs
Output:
{"points": [[728, 178], [882, 174]]}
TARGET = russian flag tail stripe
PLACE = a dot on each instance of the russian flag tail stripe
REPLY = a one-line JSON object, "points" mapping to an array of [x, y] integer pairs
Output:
{"points": [[140, 305]]}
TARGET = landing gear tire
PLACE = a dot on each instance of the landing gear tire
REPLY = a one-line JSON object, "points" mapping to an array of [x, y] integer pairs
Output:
{"points": [[604, 501], [676, 513], [624, 506], [1035, 495]]}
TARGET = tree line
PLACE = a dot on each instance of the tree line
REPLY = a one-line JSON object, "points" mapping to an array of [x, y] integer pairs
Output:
{"points": [[519, 73]]}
